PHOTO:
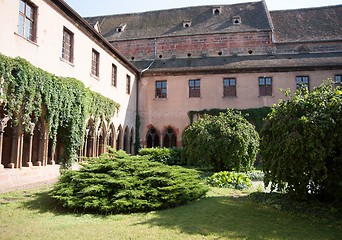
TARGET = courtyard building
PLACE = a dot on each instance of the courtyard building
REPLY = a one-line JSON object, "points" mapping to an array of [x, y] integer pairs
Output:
{"points": [[161, 65], [225, 56]]}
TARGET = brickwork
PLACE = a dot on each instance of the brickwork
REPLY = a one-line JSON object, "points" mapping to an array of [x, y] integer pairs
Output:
{"points": [[196, 46], [313, 47]]}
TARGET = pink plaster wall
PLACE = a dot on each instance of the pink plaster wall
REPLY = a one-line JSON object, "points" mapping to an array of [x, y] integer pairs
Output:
{"points": [[173, 110]]}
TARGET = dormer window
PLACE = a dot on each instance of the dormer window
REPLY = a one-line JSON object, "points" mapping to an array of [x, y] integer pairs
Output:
{"points": [[120, 28], [216, 10], [236, 20], [97, 27], [186, 23]]}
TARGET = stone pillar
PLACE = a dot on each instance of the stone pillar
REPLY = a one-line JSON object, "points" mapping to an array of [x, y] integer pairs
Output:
{"points": [[121, 141], [16, 147], [161, 140], [86, 143], [29, 162], [113, 139], [40, 146], [97, 145], [3, 125], [45, 148]]}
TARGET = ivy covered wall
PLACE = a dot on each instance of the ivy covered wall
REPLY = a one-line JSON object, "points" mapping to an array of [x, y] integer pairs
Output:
{"points": [[27, 90]]}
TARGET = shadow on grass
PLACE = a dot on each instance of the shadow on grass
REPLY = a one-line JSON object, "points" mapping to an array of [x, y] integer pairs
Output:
{"points": [[42, 202], [225, 217], [239, 218]]}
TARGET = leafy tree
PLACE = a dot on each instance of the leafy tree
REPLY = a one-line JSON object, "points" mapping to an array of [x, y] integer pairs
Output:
{"points": [[119, 183], [301, 144], [226, 142]]}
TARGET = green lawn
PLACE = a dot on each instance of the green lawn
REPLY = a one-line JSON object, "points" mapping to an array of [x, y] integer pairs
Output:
{"points": [[223, 214]]}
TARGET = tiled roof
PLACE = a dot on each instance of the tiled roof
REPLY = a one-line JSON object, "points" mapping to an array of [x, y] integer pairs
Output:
{"points": [[170, 22], [310, 24], [246, 63]]}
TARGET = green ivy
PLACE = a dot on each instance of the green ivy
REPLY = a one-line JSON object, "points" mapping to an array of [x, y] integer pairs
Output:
{"points": [[27, 90], [255, 116]]}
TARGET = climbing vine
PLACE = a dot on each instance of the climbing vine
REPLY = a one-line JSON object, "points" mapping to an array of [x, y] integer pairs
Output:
{"points": [[28, 93], [255, 116]]}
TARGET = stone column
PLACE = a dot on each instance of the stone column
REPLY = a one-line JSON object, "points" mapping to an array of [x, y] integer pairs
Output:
{"points": [[3, 125], [40, 146], [86, 143], [45, 148], [29, 162], [161, 140], [97, 145], [16, 147]]}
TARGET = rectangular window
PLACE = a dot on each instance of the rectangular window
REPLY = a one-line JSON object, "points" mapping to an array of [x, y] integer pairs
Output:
{"points": [[161, 89], [302, 82], [337, 80], [128, 84], [27, 20], [194, 88], [68, 45], [114, 74], [95, 63], [265, 86], [229, 87]]}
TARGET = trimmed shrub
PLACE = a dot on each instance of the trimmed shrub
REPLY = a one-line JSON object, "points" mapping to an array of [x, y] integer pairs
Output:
{"points": [[119, 183], [169, 156], [177, 157], [225, 142], [156, 154], [234, 180], [301, 144]]}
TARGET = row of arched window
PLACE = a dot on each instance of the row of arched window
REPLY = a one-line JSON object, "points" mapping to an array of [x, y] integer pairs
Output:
{"points": [[155, 139]]}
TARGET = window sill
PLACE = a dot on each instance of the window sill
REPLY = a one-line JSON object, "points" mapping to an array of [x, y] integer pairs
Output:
{"points": [[66, 61], [94, 76], [28, 40], [160, 99], [229, 97], [263, 96]]}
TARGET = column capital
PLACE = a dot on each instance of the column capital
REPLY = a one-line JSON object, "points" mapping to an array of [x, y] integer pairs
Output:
{"points": [[3, 123]]}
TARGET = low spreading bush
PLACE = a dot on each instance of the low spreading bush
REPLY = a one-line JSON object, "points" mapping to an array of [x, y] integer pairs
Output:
{"points": [[226, 179], [119, 183]]}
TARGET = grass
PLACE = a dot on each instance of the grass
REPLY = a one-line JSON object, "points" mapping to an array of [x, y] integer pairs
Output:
{"points": [[223, 214]]}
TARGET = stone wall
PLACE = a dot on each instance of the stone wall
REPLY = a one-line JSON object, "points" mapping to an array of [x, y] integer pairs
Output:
{"points": [[196, 46]]}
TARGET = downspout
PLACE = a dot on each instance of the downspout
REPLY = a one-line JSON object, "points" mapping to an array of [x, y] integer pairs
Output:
{"points": [[137, 116]]}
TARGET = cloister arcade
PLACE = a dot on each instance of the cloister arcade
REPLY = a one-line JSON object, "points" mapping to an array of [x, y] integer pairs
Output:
{"points": [[20, 148]]}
